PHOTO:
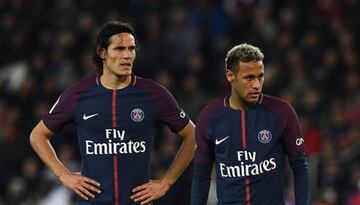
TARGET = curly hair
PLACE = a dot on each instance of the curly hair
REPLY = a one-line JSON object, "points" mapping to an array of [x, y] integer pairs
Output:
{"points": [[242, 53]]}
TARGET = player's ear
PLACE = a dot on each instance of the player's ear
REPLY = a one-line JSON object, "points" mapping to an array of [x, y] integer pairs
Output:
{"points": [[100, 52], [230, 76]]}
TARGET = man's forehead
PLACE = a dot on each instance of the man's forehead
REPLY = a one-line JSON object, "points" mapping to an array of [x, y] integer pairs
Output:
{"points": [[251, 67], [122, 37], [251, 64]]}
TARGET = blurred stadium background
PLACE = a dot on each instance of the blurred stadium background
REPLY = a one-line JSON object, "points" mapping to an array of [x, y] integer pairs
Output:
{"points": [[311, 60]]}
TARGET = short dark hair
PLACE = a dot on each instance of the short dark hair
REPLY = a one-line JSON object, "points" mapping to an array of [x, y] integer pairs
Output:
{"points": [[242, 53], [103, 40]]}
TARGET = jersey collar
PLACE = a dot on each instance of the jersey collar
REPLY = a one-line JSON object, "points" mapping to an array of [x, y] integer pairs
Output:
{"points": [[227, 98]]}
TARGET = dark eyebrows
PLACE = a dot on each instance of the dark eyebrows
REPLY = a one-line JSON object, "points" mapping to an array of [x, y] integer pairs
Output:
{"points": [[119, 47], [124, 47], [253, 76]]}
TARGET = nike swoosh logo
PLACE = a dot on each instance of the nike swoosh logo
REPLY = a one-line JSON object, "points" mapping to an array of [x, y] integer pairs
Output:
{"points": [[220, 141], [89, 116]]}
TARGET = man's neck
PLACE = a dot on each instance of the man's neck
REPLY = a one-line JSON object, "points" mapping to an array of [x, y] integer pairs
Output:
{"points": [[114, 82], [236, 104]]}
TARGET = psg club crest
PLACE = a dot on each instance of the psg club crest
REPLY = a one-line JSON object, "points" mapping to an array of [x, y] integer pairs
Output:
{"points": [[137, 115], [264, 136]]}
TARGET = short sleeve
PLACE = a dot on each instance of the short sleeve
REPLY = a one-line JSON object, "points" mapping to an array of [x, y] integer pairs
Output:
{"points": [[169, 112], [61, 113]]}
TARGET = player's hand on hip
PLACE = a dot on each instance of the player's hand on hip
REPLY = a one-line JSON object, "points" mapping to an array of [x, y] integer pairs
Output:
{"points": [[150, 191], [83, 186]]}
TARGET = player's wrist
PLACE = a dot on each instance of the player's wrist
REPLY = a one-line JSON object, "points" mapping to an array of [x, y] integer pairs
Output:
{"points": [[166, 182], [60, 174]]}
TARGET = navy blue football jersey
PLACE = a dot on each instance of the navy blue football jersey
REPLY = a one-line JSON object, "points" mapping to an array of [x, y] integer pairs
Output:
{"points": [[116, 131], [248, 149]]}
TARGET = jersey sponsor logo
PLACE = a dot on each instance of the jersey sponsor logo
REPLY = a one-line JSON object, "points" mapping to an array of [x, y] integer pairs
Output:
{"points": [[264, 136], [217, 142], [299, 141], [247, 165], [116, 144], [182, 114], [86, 117], [137, 115]]}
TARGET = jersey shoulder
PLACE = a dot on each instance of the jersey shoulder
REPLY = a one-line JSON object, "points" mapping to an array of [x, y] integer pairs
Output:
{"points": [[64, 108], [148, 85], [276, 104], [153, 89], [282, 108], [212, 108], [80, 86]]}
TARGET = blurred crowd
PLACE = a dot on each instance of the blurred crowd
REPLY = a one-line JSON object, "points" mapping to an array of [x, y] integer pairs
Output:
{"points": [[312, 59]]}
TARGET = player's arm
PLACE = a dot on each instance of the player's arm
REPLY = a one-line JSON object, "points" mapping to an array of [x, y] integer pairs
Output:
{"points": [[200, 184], [79, 184], [204, 158], [295, 147], [184, 155], [157, 188], [300, 169]]}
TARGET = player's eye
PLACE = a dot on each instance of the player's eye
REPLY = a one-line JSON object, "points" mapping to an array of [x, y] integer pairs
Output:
{"points": [[119, 48], [249, 78]]}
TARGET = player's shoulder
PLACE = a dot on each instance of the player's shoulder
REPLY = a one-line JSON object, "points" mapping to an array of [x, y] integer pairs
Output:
{"points": [[275, 103], [149, 85], [146, 82], [213, 107], [81, 85]]}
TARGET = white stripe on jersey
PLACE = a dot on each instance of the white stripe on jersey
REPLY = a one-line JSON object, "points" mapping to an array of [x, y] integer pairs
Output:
{"points": [[57, 101]]}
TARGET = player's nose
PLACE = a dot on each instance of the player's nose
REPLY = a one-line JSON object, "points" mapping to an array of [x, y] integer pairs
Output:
{"points": [[126, 54], [256, 84]]}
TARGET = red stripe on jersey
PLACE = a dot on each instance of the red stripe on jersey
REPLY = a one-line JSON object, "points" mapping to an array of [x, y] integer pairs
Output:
{"points": [[115, 160], [114, 108], [247, 187], [243, 133], [243, 130], [116, 178]]}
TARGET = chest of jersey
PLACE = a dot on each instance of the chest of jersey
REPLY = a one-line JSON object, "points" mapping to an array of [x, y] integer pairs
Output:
{"points": [[245, 137], [114, 117]]}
